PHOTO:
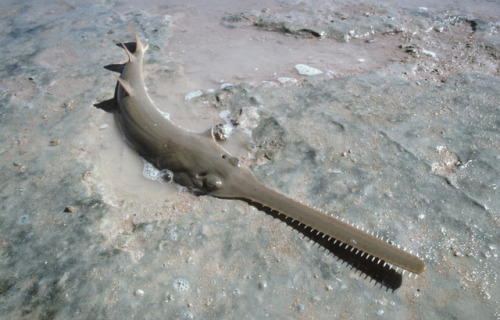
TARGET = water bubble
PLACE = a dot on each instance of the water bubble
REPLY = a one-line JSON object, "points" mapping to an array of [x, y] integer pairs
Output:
{"points": [[139, 255], [152, 173], [181, 285], [166, 115], [22, 220]]}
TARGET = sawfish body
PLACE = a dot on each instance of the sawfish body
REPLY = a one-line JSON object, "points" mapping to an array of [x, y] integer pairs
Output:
{"points": [[198, 162]]}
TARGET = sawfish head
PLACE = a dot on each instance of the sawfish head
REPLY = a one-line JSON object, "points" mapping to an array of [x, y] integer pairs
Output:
{"points": [[201, 163]]}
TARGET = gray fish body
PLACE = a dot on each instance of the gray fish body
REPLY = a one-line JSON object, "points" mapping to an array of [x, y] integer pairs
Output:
{"points": [[199, 162]]}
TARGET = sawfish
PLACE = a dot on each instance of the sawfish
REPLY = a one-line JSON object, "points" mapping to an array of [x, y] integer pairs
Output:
{"points": [[200, 163]]}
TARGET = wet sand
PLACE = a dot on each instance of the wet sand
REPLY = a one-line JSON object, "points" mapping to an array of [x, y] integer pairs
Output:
{"points": [[398, 134]]}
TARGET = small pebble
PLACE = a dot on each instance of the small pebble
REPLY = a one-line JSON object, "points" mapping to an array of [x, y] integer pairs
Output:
{"points": [[20, 166], [139, 293], [262, 284], [306, 70], [225, 85], [192, 95], [69, 209], [284, 80]]}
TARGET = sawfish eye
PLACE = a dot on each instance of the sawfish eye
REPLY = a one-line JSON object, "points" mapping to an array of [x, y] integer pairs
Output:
{"points": [[212, 182], [166, 176]]}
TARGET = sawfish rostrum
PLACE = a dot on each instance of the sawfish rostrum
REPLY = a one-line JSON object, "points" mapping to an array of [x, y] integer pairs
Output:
{"points": [[200, 163]]}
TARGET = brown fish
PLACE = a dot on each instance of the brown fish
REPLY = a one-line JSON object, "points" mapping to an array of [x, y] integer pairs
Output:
{"points": [[198, 162]]}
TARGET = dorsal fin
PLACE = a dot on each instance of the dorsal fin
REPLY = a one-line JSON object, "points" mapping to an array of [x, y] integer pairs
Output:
{"points": [[125, 85]]}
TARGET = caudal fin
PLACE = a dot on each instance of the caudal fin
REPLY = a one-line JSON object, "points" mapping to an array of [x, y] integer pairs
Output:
{"points": [[139, 45], [133, 48]]}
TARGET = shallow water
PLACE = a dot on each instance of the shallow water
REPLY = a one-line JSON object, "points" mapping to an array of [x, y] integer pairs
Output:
{"points": [[399, 135]]}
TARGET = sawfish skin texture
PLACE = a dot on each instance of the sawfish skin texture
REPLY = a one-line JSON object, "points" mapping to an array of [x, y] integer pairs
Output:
{"points": [[198, 162]]}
